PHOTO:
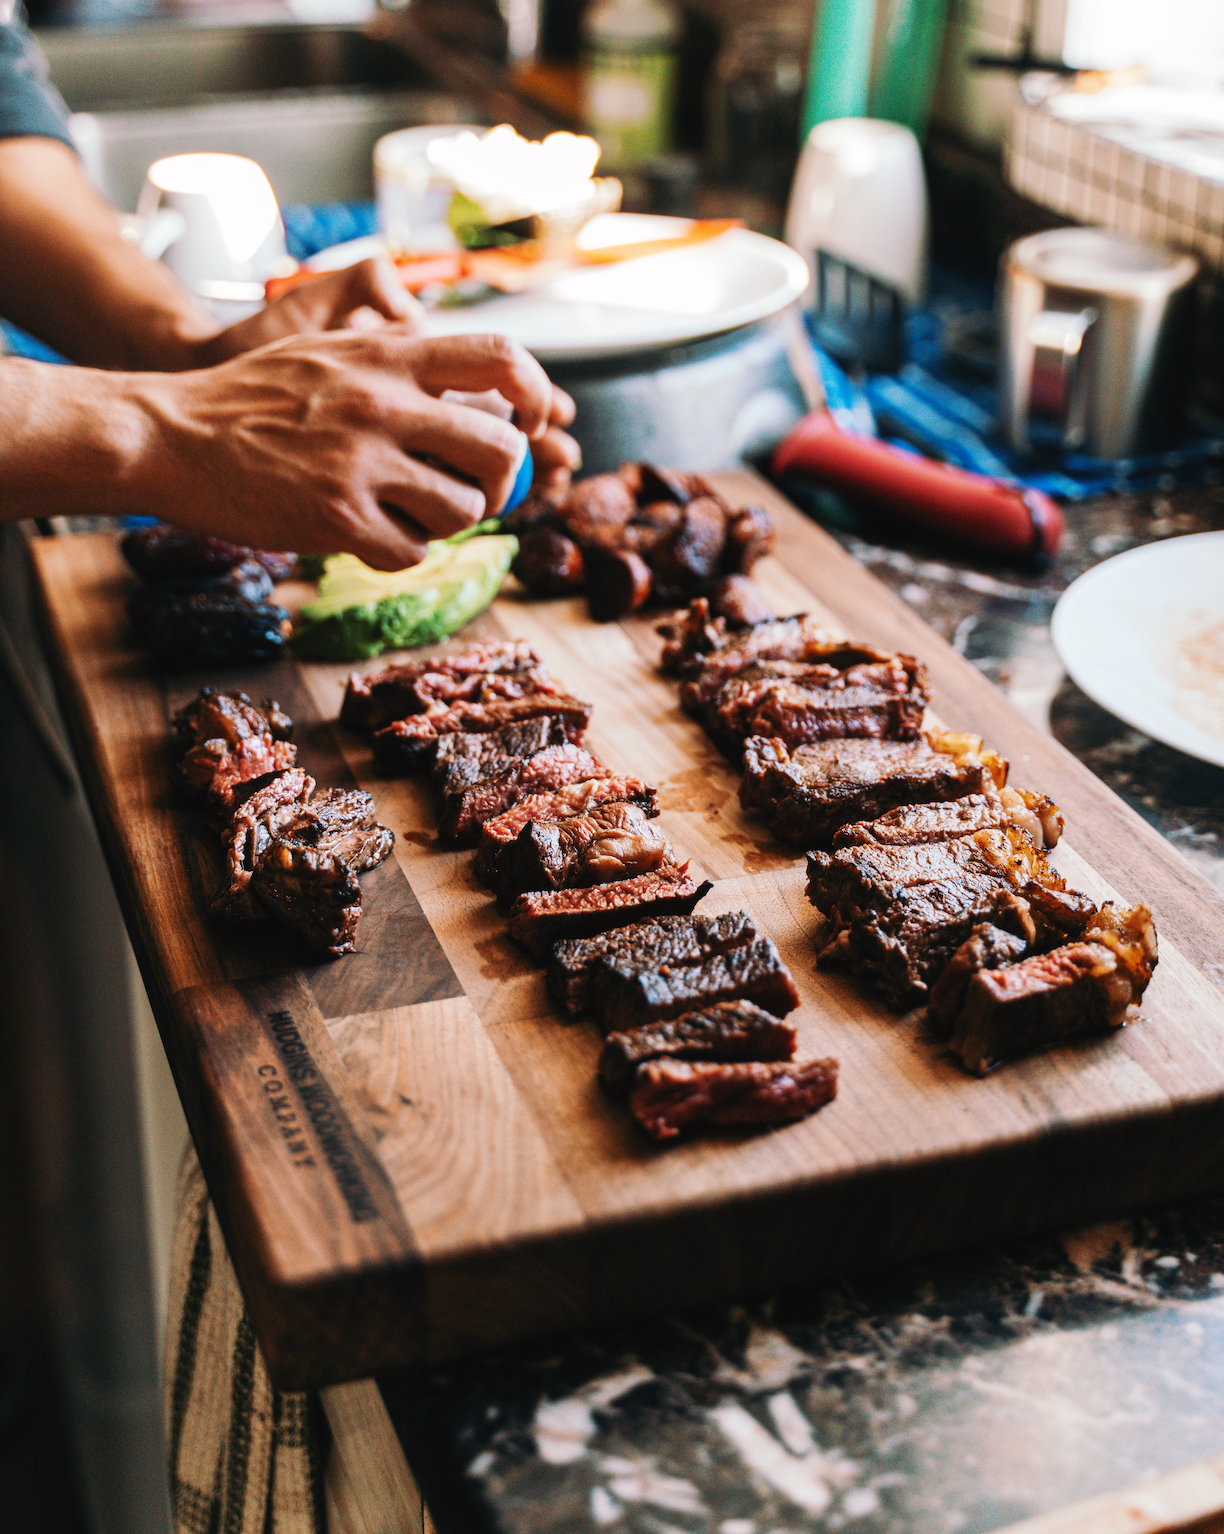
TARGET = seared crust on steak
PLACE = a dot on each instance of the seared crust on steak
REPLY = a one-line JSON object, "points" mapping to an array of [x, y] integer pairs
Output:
{"points": [[898, 914], [623, 999], [614, 841], [313, 892], [374, 700], [464, 813], [808, 794], [497, 835], [986, 947], [672, 1095], [728, 1030], [542, 919], [1079, 989], [669, 940], [910, 825], [407, 745], [211, 771], [261, 817], [465, 757]]}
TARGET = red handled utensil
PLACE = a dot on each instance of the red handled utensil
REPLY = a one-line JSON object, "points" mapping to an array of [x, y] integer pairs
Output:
{"points": [[1007, 520]]}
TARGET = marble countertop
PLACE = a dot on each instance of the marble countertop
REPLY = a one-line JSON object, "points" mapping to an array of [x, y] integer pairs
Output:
{"points": [[952, 1396]]}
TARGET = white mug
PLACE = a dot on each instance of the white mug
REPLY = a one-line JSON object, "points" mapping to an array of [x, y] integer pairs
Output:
{"points": [[860, 194], [232, 238]]}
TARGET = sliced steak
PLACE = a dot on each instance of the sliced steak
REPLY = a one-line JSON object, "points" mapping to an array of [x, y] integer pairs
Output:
{"points": [[672, 1095], [312, 892], [799, 703], [610, 842], [898, 914], [374, 700], [262, 816], [910, 825], [729, 1030], [670, 940], [211, 771], [540, 920], [407, 745], [808, 794], [498, 835], [227, 716], [799, 638], [986, 947], [466, 757], [464, 813], [1080, 989], [624, 998]]}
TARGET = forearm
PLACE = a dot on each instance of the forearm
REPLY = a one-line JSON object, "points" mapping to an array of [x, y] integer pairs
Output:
{"points": [[68, 276], [72, 441]]}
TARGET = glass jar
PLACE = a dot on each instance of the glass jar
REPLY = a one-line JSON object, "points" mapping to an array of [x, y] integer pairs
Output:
{"points": [[756, 101]]}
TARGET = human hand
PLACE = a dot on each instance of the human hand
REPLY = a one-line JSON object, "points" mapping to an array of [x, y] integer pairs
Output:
{"points": [[311, 443], [365, 296], [556, 455]]}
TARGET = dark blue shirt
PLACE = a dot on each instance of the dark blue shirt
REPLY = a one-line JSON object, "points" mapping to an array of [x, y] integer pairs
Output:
{"points": [[29, 106]]}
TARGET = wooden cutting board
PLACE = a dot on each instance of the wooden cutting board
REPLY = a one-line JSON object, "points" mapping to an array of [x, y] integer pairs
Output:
{"points": [[407, 1147]]}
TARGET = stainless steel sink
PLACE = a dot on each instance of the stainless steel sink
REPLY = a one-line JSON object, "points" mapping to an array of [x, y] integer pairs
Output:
{"points": [[306, 102]]}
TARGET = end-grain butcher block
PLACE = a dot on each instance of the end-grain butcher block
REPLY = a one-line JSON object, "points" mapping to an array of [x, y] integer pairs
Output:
{"points": [[729, 1030], [670, 940], [498, 835], [805, 795], [539, 920], [753, 972], [669, 1096]]}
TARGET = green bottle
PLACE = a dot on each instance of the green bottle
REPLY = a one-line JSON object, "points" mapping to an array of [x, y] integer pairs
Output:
{"points": [[630, 57]]}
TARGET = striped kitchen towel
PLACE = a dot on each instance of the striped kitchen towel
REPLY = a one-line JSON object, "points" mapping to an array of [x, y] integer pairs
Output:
{"points": [[245, 1457]]}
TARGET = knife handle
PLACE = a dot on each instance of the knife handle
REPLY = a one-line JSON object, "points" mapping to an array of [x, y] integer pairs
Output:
{"points": [[1009, 520]]}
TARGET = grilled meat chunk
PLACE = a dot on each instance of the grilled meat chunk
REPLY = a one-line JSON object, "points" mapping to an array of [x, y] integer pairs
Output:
{"points": [[539, 920], [214, 628], [211, 771], [801, 702], [341, 821], [750, 536], [739, 602], [548, 563], [807, 794], [464, 813], [1080, 989], [618, 581], [801, 637], [226, 716], [669, 940], [729, 1030], [263, 814], [498, 835], [312, 891], [623, 998], [374, 700], [407, 745], [612, 841], [986, 947], [467, 757], [898, 914], [165, 552], [691, 552], [669, 1096], [911, 824]]}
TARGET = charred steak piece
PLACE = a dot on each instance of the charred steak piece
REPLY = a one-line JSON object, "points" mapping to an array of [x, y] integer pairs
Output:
{"points": [[407, 745], [898, 914], [227, 716], [670, 940], [610, 842], [542, 919], [911, 824], [801, 702], [1079, 989], [211, 771], [374, 700], [467, 757], [672, 1095], [214, 628], [311, 891], [729, 1030], [623, 998], [986, 947], [806, 795], [801, 637], [261, 817], [498, 835], [341, 821], [464, 813]]}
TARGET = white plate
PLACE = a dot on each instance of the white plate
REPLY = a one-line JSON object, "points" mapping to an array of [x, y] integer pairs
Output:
{"points": [[1143, 635], [592, 312]]}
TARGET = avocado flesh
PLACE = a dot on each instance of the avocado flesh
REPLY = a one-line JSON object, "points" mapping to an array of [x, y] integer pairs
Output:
{"points": [[361, 612]]}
